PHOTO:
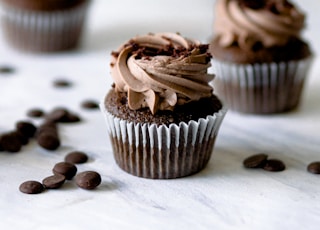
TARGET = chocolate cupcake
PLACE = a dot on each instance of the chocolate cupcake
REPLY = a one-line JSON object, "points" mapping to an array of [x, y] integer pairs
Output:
{"points": [[260, 60], [43, 26], [161, 113]]}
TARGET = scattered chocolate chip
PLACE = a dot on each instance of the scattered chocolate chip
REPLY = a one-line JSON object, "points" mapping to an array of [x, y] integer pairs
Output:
{"points": [[54, 181], [89, 104], [47, 136], [62, 115], [274, 165], [65, 168], [6, 70], [48, 141], [88, 180], [76, 157], [26, 128], [31, 187], [11, 142], [62, 83], [23, 139], [35, 112], [314, 167], [57, 115], [255, 161], [72, 118]]}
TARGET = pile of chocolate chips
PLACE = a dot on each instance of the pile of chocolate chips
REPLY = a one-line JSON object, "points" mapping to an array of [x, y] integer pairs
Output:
{"points": [[62, 171], [46, 134]]}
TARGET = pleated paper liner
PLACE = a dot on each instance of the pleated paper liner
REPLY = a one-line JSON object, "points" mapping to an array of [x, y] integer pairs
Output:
{"points": [[162, 152], [261, 88], [43, 31]]}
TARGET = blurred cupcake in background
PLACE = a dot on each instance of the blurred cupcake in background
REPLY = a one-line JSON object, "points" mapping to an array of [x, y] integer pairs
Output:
{"points": [[260, 60], [43, 25]]}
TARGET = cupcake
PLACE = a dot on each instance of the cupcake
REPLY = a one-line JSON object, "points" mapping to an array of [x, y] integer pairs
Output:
{"points": [[260, 60], [43, 26], [161, 113]]}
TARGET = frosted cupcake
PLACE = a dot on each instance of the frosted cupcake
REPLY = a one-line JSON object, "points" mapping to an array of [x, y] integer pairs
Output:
{"points": [[260, 60], [161, 113], [43, 25]]}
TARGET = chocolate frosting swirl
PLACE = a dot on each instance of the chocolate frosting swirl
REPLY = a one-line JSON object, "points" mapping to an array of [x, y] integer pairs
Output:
{"points": [[247, 23], [161, 70]]}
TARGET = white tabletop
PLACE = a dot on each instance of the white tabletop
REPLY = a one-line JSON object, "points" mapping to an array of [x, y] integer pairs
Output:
{"points": [[223, 196]]}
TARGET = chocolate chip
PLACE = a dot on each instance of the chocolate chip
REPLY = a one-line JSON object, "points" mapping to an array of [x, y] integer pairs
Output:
{"points": [[72, 118], [35, 112], [88, 180], [31, 187], [65, 168], [314, 167], [47, 127], [89, 104], [48, 141], [255, 161], [47, 136], [54, 181], [6, 70], [23, 139], [57, 115], [62, 115], [62, 83], [26, 128], [274, 165], [11, 142], [76, 157]]}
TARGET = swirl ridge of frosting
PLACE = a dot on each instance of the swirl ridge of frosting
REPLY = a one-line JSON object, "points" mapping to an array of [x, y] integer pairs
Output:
{"points": [[269, 22], [162, 70]]}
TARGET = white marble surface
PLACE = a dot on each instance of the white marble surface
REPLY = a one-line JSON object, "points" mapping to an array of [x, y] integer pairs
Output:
{"points": [[223, 196]]}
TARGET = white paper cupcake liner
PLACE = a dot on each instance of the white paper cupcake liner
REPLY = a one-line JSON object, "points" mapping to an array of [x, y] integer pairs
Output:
{"points": [[261, 88], [43, 31], [161, 152]]}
